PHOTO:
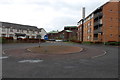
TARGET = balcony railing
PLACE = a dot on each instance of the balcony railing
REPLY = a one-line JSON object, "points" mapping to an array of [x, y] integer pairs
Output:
{"points": [[98, 15], [95, 38], [97, 31], [97, 23]]}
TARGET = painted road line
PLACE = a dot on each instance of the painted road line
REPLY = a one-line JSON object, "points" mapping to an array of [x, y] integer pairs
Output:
{"points": [[3, 57], [30, 61], [100, 55], [29, 50], [81, 49]]}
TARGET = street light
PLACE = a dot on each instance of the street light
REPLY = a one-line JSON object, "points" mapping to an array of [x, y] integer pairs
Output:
{"points": [[39, 37]]}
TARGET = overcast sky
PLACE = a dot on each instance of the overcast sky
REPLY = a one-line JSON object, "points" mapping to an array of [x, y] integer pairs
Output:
{"points": [[47, 14]]}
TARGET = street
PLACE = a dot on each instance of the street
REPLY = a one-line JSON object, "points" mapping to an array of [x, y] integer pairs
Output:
{"points": [[95, 61]]}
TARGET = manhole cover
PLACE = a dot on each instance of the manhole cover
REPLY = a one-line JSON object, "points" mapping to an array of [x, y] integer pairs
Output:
{"points": [[30, 61]]}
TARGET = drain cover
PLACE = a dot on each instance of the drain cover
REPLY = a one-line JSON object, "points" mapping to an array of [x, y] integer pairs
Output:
{"points": [[30, 61]]}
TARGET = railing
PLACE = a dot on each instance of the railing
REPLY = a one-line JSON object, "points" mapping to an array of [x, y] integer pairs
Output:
{"points": [[100, 14], [97, 30], [97, 23], [95, 38]]}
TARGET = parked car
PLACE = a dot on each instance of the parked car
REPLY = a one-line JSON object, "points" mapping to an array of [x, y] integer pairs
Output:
{"points": [[21, 37], [51, 39], [59, 40]]}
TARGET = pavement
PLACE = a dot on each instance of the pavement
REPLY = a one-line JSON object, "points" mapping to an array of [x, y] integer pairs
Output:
{"points": [[95, 61]]}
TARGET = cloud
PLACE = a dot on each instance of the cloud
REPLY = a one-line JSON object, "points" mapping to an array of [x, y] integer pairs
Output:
{"points": [[48, 14]]}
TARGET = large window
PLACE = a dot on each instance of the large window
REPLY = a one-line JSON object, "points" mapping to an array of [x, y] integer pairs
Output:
{"points": [[11, 30], [111, 35], [3, 30], [27, 31], [17, 30], [3, 35], [11, 35]]}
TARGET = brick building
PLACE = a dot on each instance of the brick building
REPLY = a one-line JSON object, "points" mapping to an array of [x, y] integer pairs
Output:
{"points": [[53, 34], [103, 24], [80, 31], [72, 32], [65, 35], [69, 33]]}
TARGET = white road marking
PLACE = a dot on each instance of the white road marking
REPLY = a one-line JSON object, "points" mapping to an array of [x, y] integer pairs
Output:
{"points": [[3, 57], [30, 61], [100, 55]]}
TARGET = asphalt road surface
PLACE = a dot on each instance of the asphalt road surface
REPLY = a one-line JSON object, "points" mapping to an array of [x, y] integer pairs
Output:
{"points": [[62, 66]]}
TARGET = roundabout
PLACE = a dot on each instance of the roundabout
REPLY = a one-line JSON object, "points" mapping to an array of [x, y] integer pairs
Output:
{"points": [[59, 60], [55, 49], [55, 52]]}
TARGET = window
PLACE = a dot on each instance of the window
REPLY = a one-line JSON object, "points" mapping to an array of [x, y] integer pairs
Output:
{"points": [[38, 32], [11, 30], [88, 37], [27, 36], [88, 30], [110, 26], [33, 36], [27, 31], [100, 21], [111, 10], [90, 23], [21, 30], [11, 35], [3, 30], [3, 35], [110, 19], [17, 30], [111, 35]]}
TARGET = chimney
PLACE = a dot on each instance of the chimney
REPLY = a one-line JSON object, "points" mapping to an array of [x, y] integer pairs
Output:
{"points": [[114, 0], [83, 13]]}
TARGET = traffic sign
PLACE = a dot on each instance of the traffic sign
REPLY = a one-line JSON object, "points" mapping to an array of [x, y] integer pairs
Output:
{"points": [[46, 37]]}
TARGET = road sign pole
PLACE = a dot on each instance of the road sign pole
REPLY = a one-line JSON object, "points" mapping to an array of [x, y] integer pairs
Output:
{"points": [[39, 42]]}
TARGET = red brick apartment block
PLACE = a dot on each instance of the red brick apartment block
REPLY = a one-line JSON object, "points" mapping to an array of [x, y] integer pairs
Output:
{"points": [[102, 25]]}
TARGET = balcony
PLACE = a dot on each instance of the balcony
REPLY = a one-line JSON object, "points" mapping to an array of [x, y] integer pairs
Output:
{"points": [[95, 38], [97, 24], [96, 31], [98, 15]]}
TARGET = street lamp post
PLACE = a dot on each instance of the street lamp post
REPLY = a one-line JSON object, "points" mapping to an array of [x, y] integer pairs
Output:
{"points": [[39, 39]]}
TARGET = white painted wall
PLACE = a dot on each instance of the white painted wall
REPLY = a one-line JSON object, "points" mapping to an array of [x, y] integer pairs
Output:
{"points": [[30, 33], [43, 33]]}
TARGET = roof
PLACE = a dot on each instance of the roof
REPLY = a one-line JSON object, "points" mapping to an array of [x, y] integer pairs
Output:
{"points": [[70, 26], [68, 30], [95, 10], [54, 31], [19, 26]]}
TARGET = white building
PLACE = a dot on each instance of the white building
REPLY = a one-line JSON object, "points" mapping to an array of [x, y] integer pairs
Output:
{"points": [[17, 30]]}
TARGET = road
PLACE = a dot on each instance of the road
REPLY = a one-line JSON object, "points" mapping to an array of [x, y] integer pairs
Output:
{"points": [[84, 64]]}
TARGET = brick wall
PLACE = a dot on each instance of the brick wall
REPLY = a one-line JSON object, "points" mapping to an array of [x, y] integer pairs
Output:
{"points": [[110, 22]]}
